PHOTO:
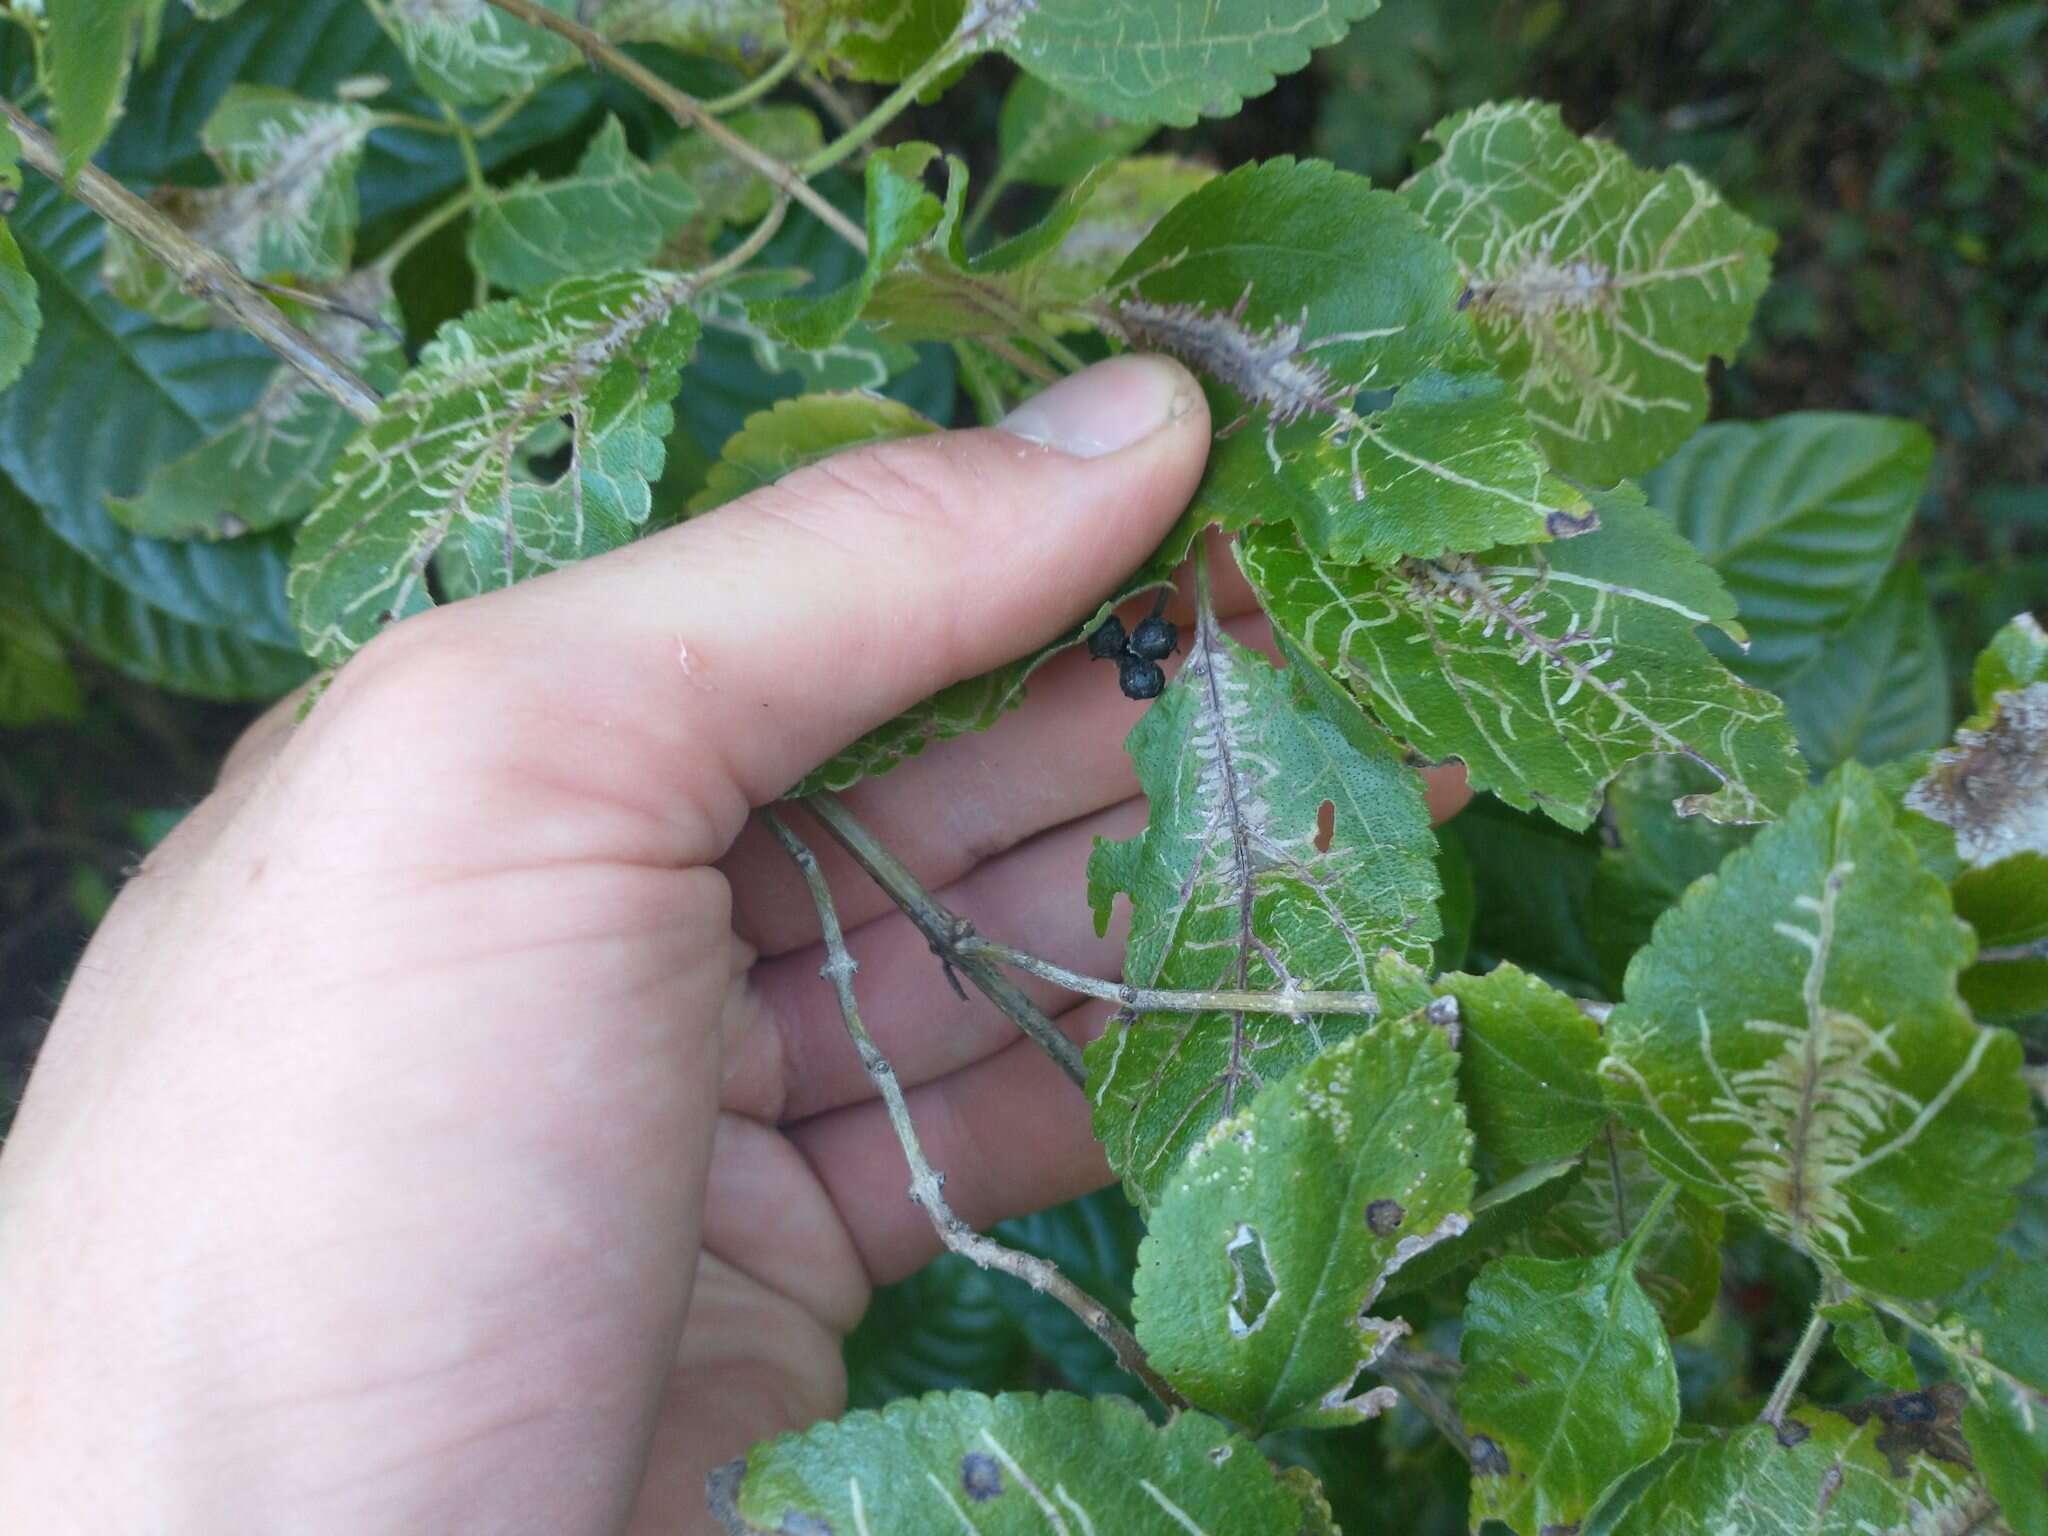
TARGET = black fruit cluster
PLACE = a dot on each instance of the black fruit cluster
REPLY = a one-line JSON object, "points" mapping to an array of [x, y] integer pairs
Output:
{"points": [[1136, 654]]}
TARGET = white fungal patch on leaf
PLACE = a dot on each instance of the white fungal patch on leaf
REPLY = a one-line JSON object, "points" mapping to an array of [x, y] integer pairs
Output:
{"points": [[470, 51], [1991, 787]]}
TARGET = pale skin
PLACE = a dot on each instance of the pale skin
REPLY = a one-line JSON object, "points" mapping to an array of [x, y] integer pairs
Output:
{"points": [[448, 1130]]}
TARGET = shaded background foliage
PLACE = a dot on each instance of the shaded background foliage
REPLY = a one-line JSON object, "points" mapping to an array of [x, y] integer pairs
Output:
{"points": [[1897, 150]]}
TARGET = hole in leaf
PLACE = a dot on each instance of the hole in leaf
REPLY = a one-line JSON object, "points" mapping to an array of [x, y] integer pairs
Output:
{"points": [[1326, 825], [1256, 1287]]}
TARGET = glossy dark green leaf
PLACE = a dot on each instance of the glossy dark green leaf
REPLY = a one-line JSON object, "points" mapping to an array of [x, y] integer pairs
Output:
{"points": [[1792, 1047], [942, 1328], [1270, 1246], [1568, 1385], [438, 475], [613, 211], [1801, 515], [1545, 669], [1292, 289], [1166, 61], [36, 681], [1878, 689], [957, 1461], [1094, 1240], [1235, 884], [1599, 288], [109, 396], [112, 623]]}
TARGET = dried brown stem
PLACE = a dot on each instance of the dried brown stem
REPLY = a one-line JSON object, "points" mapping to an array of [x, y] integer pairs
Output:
{"points": [[201, 272], [927, 1184]]}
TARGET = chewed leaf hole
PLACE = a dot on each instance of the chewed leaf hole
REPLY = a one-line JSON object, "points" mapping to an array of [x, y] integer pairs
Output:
{"points": [[1256, 1289], [1326, 825]]}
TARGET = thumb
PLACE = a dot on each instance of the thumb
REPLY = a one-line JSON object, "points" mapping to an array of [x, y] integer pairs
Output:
{"points": [[730, 655]]}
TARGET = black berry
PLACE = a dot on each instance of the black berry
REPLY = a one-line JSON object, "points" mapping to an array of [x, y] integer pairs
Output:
{"points": [[1108, 641], [1154, 639], [1140, 679]]}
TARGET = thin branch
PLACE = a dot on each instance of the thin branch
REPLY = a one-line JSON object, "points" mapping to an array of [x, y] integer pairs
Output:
{"points": [[827, 95], [886, 111], [688, 111], [2008, 954], [761, 85], [944, 932], [927, 1184], [1415, 1377], [1293, 1003], [203, 273], [1795, 1370]]}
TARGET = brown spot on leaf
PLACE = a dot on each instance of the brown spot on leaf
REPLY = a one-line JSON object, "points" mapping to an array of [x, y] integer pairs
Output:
{"points": [[1384, 1217], [1992, 785], [1326, 825], [1917, 1424], [1488, 1459], [1561, 524], [980, 1476]]}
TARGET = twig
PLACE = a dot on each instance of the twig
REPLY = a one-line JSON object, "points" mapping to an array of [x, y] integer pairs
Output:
{"points": [[927, 1184], [827, 95], [1159, 1000], [203, 273], [1795, 1370], [944, 932], [688, 111], [856, 135], [2007, 954], [761, 85], [1410, 1374]]}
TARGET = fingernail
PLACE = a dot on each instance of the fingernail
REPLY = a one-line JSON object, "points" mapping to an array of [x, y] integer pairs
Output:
{"points": [[1105, 408]]}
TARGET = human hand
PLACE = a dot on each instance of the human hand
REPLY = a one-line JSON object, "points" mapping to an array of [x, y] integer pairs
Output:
{"points": [[448, 1130]]}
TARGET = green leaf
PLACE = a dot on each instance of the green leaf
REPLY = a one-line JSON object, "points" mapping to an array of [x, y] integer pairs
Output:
{"points": [[1047, 139], [2007, 903], [943, 1327], [1253, 280], [1995, 1334], [900, 215], [1166, 61], [36, 682], [802, 431], [439, 475], [127, 632], [469, 52], [1121, 204], [1568, 1384], [1878, 690], [1546, 669], [91, 43], [108, 396], [1599, 288], [21, 318], [1679, 1265], [958, 1461], [727, 192], [1528, 1063], [1817, 1474], [1991, 787], [1859, 1334], [1268, 1249], [1500, 1213], [271, 464], [2016, 656], [742, 32], [614, 211], [1234, 885], [1532, 882], [1801, 515], [1792, 1047], [1650, 855]]}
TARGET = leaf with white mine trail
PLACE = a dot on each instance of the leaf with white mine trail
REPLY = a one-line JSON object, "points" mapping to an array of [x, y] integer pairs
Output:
{"points": [[1364, 413], [1599, 288], [469, 52], [1236, 884], [1792, 1047], [1995, 1334], [441, 474], [958, 1461], [1266, 1252], [1546, 669]]}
